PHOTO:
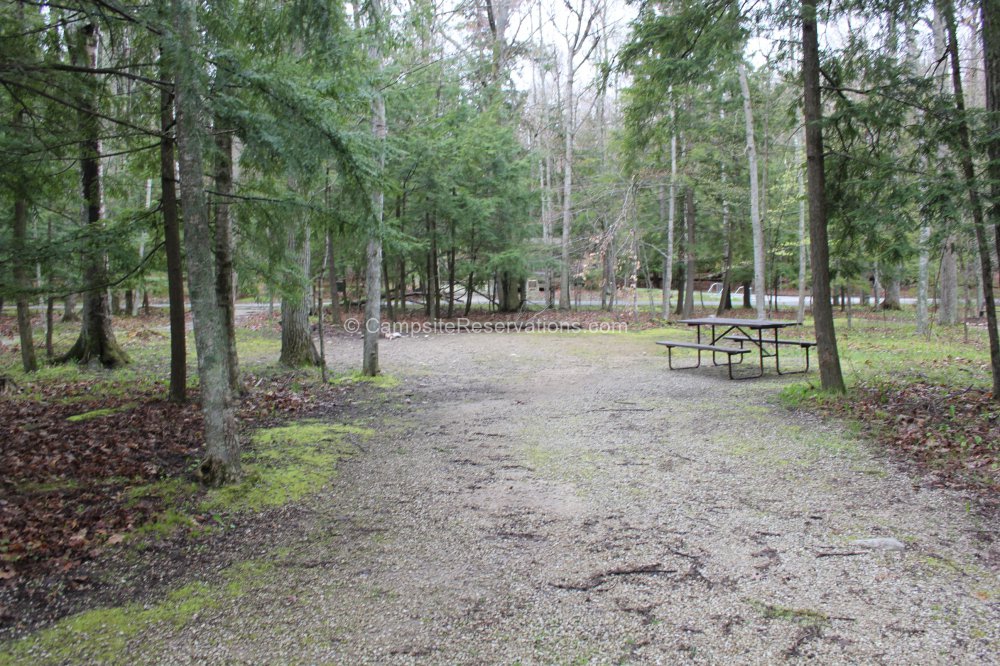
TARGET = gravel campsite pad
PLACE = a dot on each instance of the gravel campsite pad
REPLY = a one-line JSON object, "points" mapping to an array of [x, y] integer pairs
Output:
{"points": [[564, 498]]}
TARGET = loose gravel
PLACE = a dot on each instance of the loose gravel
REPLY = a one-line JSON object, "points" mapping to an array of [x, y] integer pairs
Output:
{"points": [[564, 498]]}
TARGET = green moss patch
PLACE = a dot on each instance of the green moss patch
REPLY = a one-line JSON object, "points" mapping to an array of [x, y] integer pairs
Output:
{"points": [[102, 635], [802, 616], [381, 381], [98, 413], [285, 464]]}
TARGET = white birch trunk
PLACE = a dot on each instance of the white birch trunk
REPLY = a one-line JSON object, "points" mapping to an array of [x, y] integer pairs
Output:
{"points": [[758, 229], [567, 203]]}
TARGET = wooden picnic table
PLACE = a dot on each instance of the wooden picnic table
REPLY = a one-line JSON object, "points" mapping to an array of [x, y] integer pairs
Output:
{"points": [[743, 331]]}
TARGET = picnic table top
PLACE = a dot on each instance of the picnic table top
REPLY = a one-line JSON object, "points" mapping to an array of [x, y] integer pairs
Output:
{"points": [[747, 323]]}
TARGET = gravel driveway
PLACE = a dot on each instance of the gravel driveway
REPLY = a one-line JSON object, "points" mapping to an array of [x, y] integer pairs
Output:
{"points": [[564, 498]]}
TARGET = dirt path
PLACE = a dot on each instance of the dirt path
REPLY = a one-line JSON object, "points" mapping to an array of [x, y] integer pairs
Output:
{"points": [[564, 498]]}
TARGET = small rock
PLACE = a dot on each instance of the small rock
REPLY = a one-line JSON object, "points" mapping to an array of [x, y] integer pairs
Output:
{"points": [[881, 543]]}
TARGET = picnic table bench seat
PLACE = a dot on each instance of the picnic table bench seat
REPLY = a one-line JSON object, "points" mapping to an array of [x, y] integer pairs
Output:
{"points": [[805, 344], [715, 349], [802, 344]]}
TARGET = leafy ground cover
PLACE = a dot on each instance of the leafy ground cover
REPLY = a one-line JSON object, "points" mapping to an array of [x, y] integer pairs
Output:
{"points": [[926, 398], [92, 459]]}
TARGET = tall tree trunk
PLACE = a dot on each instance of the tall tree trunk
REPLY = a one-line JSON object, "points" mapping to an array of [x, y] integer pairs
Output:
{"points": [[831, 378], [990, 13], [50, 322], [69, 309], [469, 287], [801, 312], [22, 282], [991, 50], [433, 273], [452, 252], [221, 463], [668, 265], [679, 309], [661, 197], [948, 288], [923, 278], [331, 259], [402, 285], [567, 202], [225, 282], [297, 348], [689, 253], [373, 252], [759, 288], [891, 299], [97, 338], [172, 244], [609, 278], [725, 300], [388, 291]]}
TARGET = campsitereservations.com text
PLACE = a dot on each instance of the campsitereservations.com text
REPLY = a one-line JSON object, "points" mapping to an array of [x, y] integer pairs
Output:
{"points": [[462, 325]]}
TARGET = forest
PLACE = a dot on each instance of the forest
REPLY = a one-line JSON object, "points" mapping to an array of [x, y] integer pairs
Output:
{"points": [[219, 214], [422, 154]]}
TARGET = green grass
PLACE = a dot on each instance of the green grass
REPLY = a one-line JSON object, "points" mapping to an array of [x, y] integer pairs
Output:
{"points": [[892, 350]]}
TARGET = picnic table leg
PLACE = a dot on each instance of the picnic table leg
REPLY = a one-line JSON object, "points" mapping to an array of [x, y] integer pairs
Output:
{"points": [[797, 372], [760, 350], [777, 353]]}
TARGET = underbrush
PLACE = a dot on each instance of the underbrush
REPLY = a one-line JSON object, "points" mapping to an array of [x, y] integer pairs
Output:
{"points": [[95, 458]]}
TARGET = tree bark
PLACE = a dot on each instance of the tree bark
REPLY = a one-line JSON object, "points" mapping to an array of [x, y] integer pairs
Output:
{"points": [[69, 309], [758, 229], [225, 282], [331, 258], [22, 282], [891, 299], [668, 267], [567, 202], [923, 278], [373, 251], [97, 338], [221, 463], [725, 299], [452, 255], [689, 253], [297, 348], [801, 312], [172, 243], [990, 14], [991, 55], [948, 288], [831, 377], [50, 321]]}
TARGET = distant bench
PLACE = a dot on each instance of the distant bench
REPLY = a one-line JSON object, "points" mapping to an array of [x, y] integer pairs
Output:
{"points": [[715, 349], [802, 344]]}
